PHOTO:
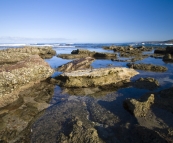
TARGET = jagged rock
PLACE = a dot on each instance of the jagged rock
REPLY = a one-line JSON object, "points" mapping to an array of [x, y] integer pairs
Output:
{"points": [[83, 63], [15, 76], [146, 83], [95, 77], [149, 67], [139, 108], [13, 55], [83, 53]]}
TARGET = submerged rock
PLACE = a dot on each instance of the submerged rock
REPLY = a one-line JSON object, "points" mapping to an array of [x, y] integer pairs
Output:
{"points": [[149, 67], [79, 64], [13, 77], [83, 53], [139, 108], [95, 77], [146, 83]]}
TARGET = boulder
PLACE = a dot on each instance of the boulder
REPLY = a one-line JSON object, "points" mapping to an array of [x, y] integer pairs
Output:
{"points": [[79, 64], [95, 77], [169, 49], [149, 67], [83, 53], [139, 108], [15, 76], [146, 83], [160, 51]]}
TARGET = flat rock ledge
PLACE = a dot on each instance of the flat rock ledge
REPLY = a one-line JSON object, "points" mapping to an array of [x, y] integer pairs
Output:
{"points": [[95, 77], [82, 53], [79, 64], [13, 55], [15, 76], [149, 67]]}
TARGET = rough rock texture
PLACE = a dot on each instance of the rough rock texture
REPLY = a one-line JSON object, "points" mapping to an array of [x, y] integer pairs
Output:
{"points": [[13, 55], [95, 77], [14, 76], [149, 67], [16, 118], [82, 53], [139, 108], [168, 58], [79, 64], [146, 83]]}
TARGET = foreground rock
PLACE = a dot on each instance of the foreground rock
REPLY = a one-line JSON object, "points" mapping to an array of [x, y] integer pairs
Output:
{"points": [[13, 55], [95, 77], [146, 83], [149, 67], [139, 108], [15, 76], [82, 53], [17, 117], [79, 64]]}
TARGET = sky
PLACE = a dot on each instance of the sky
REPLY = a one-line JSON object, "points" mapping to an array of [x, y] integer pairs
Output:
{"points": [[85, 21]]}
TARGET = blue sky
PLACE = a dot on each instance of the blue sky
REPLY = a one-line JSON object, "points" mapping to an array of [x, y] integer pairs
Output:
{"points": [[93, 21]]}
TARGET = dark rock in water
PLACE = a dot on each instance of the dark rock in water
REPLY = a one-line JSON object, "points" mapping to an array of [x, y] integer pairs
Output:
{"points": [[79, 64], [16, 118], [83, 53], [160, 51], [95, 77], [169, 49], [149, 67], [168, 58], [139, 108], [146, 83], [14, 77]]}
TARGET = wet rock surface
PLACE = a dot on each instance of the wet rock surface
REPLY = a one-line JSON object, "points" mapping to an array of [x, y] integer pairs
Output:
{"points": [[146, 83], [95, 77], [149, 67], [15, 76], [82, 53], [79, 64], [16, 118]]}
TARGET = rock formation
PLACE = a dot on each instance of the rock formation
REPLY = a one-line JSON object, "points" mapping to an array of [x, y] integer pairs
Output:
{"points": [[79, 64], [82, 53], [149, 67], [139, 108], [146, 83], [15, 76], [13, 55], [95, 77]]}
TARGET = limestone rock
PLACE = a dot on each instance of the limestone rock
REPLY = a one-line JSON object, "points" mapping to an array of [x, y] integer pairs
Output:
{"points": [[146, 83], [95, 77], [149, 67], [13, 55], [82, 53], [139, 108], [83, 63], [15, 76]]}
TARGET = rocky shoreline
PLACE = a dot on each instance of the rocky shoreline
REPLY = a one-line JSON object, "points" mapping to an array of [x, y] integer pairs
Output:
{"points": [[87, 106]]}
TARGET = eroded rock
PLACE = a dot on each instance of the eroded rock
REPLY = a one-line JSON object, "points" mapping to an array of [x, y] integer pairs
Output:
{"points": [[15, 76], [139, 108], [146, 83], [95, 77], [79, 64], [83, 53], [149, 67]]}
